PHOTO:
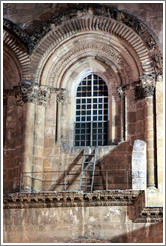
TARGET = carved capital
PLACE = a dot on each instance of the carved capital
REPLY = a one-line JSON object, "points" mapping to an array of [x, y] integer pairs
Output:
{"points": [[159, 78], [27, 92], [147, 87], [43, 95], [148, 83], [121, 93], [61, 95]]}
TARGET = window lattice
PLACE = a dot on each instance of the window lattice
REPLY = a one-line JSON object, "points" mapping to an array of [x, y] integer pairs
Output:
{"points": [[91, 121]]}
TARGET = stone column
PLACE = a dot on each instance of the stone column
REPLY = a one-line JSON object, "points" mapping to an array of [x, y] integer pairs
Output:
{"points": [[148, 84], [39, 128], [112, 125], [121, 94], [37, 166], [31, 97], [60, 97], [28, 139], [159, 130], [4, 117]]}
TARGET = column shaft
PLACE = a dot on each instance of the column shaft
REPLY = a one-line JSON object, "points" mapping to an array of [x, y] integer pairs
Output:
{"points": [[29, 113], [149, 137]]}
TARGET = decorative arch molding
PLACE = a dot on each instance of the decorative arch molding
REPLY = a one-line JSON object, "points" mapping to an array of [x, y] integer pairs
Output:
{"points": [[91, 17], [111, 54], [83, 25], [19, 51], [104, 20]]}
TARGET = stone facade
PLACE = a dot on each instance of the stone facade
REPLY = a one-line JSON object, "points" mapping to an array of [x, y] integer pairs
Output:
{"points": [[42, 70]]}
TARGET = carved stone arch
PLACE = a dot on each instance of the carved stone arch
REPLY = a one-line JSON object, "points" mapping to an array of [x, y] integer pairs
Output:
{"points": [[18, 51], [113, 53], [126, 28]]}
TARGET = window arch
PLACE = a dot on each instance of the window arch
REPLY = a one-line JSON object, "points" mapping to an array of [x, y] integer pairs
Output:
{"points": [[91, 118]]}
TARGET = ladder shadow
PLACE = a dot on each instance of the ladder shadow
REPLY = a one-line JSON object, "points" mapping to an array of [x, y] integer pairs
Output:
{"points": [[63, 175], [79, 172], [68, 171]]}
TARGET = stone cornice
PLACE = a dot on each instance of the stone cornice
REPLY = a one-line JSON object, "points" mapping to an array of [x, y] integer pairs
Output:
{"points": [[138, 213], [70, 199], [134, 200], [150, 215]]}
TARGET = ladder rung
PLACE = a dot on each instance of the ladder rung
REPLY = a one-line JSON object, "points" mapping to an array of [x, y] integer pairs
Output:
{"points": [[89, 162], [87, 178], [72, 174], [87, 171], [85, 185]]}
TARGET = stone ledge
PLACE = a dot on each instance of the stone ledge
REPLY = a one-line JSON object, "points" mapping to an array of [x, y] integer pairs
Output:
{"points": [[70, 199], [134, 200], [140, 213], [150, 215]]}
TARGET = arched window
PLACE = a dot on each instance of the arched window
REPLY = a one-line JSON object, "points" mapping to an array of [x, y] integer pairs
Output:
{"points": [[91, 118]]}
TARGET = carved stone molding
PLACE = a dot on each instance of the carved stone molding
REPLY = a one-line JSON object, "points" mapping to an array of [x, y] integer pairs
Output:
{"points": [[19, 50], [141, 214], [27, 92], [19, 32], [99, 17], [82, 10], [70, 199], [133, 199]]}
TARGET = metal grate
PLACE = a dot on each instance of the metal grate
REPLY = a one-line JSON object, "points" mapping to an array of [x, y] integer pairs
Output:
{"points": [[91, 120]]}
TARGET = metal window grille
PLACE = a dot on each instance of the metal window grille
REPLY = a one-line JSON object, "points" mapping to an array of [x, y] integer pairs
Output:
{"points": [[91, 119]]}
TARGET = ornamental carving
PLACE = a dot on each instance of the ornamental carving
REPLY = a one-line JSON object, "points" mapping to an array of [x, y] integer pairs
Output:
{"points": [[81, 11], [61, 95], [95, 46], [33, 93], [138, 213], [121, 93], [157, 62], [70, 199], [22, 34], [146, 87]]}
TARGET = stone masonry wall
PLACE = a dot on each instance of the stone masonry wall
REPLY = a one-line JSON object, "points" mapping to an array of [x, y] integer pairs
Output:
{"points": [[13, 146], [87, 224]]}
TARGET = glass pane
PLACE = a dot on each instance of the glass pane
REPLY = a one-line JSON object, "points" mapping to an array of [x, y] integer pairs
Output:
{"points": [[91, 109], [77, 137]]}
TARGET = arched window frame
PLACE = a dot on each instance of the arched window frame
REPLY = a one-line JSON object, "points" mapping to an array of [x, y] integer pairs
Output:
{"points": [[108, 103]]}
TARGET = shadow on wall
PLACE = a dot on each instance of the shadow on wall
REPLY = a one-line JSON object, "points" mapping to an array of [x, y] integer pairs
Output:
{"points": [[152, 233], [146, 234], [114, 170], [14, 143], [61, 179]]}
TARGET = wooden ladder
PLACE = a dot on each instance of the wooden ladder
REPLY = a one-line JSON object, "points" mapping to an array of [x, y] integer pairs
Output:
{"points": [[88, 171]]}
